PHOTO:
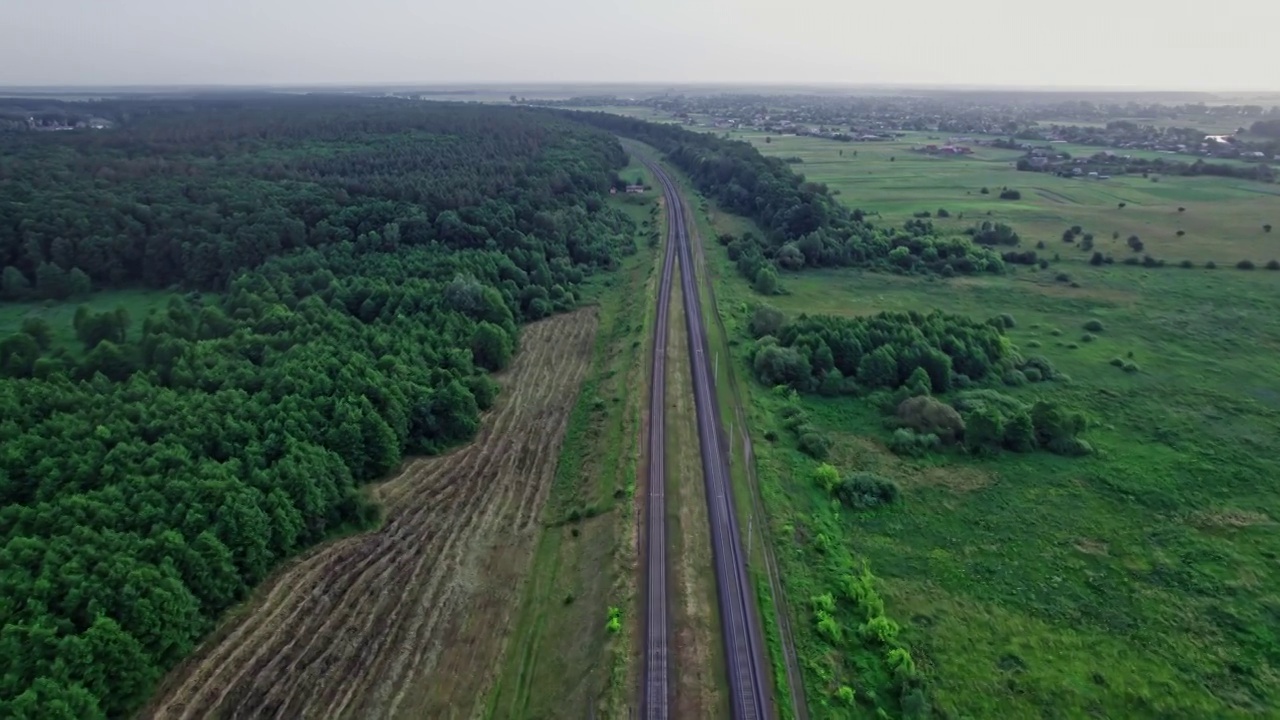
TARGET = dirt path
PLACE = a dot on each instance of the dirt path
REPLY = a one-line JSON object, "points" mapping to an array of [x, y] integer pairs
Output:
{"points": [[411, 620]]}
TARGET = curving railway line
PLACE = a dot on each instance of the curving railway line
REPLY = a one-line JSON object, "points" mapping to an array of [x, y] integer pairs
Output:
{"points": [[749, 695]]}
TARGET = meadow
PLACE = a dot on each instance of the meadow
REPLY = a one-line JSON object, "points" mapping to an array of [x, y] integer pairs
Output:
{"points": [[1139, 581], [1222, 220], [60, 315]]}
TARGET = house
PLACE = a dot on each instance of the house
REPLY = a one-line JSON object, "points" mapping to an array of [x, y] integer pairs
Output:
{"points": [[1039, 162], [635, 189]]}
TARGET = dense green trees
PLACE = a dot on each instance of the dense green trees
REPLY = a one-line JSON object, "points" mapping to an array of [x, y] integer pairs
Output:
{"points": [[882, 351], [804, 225], [373, 260]]}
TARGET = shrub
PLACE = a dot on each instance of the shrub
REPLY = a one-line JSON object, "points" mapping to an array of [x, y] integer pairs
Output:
{"points": [[1273, 264], [985, 191], [1118, 362], [1121, 205], [1186, 264], [826, 477], [1094, 325], [928, 415], [1073, 346], [815, 445], [1033, 375], [1130, 366], [912, 444], [1033, 343], [1040, 245], [1014, 378], [1245, 265], [846, 695], [767, 320], [1063, 277], [1096, 259], [1088, 337], [864, 490], [614, 625], [1010, 194], [942, 213], [1180, 233], [1007, 320], [1041, 365], [1132, 261], [1055, 332]]}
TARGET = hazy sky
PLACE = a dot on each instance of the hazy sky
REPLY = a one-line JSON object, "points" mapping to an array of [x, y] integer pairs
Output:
{"points": [[1149, 43]]}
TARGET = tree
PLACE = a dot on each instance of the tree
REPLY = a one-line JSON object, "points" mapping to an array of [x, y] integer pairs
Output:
{"points": [[18, 355], [13, 284], [766, 320], [52, 282], [1266, 228], [1121, 205], [766, 282], [491, 347], [879, 368], [79, 283], [39, 330]]}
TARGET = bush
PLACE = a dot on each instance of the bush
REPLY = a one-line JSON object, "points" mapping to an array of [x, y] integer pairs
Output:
{"points": [[1093, 325], [912, 444], [1118, 362], [1180, 233], [1186, 264], [927, 415], [985, 191], [815, 445], [1130, 366], [1007, 321], [942, 213], [767, 320], [1010, 194], [1273, 264], [864, 491], [1211, 265], [1073, 346], [1033, 343], [1014, 378], [1033, 375], [1088, 337], [1245, 265], [1063, 277]]}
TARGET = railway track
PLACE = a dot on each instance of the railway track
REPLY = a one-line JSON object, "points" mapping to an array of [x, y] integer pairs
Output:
{"points": [[656, 692], [748, 685]]}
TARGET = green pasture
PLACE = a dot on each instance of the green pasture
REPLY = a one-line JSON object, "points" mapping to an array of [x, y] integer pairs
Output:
{"points": [[1222, 222], [1139, 582]]}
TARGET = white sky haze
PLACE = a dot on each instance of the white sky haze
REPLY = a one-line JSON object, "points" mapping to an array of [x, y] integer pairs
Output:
{"points": [[1156, 44]]}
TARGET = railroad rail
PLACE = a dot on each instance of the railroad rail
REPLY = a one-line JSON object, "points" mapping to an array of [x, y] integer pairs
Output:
{"points": [[750, 697]]}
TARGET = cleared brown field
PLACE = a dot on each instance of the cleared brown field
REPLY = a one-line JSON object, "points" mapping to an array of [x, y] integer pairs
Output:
{"points": [[410, 620]]}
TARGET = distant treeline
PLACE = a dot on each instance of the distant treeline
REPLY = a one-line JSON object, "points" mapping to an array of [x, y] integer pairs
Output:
{"points": [[804, 226]]}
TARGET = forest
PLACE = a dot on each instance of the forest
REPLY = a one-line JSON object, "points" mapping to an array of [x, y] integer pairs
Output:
{"points": [[345, 272], [803, 223]]}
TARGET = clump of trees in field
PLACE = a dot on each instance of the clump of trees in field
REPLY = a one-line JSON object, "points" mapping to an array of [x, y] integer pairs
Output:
{"points": [[373, 261], [835, 355]]}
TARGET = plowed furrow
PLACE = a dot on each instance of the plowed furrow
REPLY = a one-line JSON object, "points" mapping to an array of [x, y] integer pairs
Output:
{"points": [[346, 630]]}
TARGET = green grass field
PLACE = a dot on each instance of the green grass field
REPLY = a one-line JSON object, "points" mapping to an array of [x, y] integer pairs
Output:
{"points": [[1223, 221], [1138, 582], [59, 315]]}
